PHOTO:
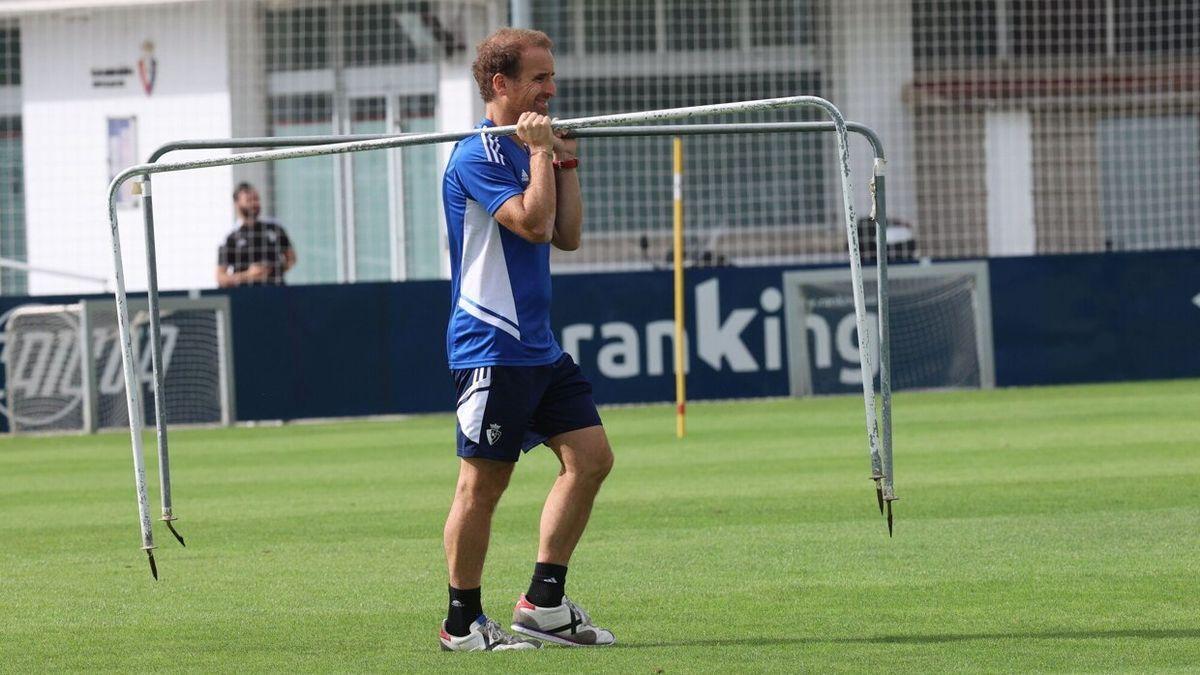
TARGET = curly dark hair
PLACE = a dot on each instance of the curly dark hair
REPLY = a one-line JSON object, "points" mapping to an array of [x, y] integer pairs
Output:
{"points": [[500, 53]]}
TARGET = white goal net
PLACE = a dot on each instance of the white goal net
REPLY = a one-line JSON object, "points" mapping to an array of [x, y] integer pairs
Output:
{"points": [[57, 381], [940, 330]]}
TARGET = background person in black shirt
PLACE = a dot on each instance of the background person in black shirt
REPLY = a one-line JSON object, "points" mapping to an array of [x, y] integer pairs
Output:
{"points": [[258, 252]]}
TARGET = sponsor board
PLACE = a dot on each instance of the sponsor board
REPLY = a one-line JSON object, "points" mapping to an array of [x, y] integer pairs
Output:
{"points": [[364, 349], [42, 363]]}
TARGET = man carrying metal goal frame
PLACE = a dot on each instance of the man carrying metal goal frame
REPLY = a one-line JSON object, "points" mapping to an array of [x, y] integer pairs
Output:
{"points": [[881, 462]]}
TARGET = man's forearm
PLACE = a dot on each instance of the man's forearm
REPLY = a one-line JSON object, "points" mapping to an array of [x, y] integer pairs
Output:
{"points": [[568, 222], [225, 279], [541, 199], [531, 215]]}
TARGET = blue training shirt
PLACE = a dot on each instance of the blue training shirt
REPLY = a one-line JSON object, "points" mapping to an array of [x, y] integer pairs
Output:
{"points": [[500, 283]]}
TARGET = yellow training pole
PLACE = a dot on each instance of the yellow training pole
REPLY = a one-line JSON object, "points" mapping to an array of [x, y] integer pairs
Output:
{"points": [[680, 354]]}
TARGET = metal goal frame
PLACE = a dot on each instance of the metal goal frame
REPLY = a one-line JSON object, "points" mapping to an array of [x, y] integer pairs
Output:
{"points": [[881, 459]]}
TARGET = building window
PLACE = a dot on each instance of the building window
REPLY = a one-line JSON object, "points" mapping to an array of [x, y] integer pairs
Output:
{"points": [[701, 25], [620, 26], [12, 206], [779, 179], [297, 39], [1149, 170], [303, 109], [953, 29], [1058, 27], [945, 31], [623, 26], [781, 23], [384, 33], [373, 34], [10, 56], [556, 19], [1158, 26], [302, 197]]}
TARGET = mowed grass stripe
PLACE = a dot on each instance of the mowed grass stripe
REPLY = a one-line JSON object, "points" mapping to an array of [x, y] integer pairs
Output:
{"points": [[1039, 529]]}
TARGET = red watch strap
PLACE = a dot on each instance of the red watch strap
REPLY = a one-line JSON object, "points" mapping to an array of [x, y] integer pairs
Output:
{"points": [[566, 163]]}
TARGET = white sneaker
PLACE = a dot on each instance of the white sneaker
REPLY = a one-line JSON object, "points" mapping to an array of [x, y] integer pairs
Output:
{"points": [[566, 624], [485, 636]]}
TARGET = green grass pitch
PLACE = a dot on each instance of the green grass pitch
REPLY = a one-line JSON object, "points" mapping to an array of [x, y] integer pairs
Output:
{"points": [[1038, 529]]}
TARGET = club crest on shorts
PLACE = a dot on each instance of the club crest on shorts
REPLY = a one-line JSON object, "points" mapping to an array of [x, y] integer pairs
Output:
{"points": [[493, 433]]}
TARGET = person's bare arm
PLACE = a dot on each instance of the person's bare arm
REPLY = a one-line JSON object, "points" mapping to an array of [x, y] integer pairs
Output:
{"points": [[530, 215], [568, 222], [289, 259], [224, 278], [256, 272]]}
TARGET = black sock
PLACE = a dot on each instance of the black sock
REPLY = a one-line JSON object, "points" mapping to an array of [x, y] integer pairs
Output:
{"points": [[465, 607], [548, 584]]}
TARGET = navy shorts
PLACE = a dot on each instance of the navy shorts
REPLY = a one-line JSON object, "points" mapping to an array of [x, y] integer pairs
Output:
{"points": [[506, 410]]}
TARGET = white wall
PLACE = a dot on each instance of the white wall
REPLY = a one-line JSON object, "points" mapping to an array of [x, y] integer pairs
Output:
{"points": [[871, 65], [65, 140], [1008, 149]]}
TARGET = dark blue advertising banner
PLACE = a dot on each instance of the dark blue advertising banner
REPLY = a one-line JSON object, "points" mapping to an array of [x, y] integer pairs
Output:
{"points": [[1096, 318], [327, 351], [365, 349], [318, 351]]}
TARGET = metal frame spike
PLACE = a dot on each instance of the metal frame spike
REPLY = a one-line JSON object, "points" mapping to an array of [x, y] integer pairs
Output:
{"points": [[170, 521]]}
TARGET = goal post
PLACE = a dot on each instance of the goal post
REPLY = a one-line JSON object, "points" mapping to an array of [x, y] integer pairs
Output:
{"points": [[47, 386], [63, 364], [940, 328]]}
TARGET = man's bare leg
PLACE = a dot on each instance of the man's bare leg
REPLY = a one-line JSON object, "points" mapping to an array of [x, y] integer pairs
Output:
{"points": [[481, 482], [542, 612], [586, 459]]}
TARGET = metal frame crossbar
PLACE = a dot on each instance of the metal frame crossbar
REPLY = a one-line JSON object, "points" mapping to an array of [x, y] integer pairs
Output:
{"points": [[585, 127]]}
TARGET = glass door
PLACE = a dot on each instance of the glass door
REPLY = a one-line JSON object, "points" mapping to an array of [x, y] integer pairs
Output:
{"points": [[303, 196], [420, 177], [371, 193]]}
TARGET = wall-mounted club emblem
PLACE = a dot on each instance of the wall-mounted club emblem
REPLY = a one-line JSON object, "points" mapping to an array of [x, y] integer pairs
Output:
{"points": [[147, 67]]}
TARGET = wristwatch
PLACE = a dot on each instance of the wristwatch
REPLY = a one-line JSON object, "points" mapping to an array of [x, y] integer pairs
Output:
{"points": [[566, 163]]}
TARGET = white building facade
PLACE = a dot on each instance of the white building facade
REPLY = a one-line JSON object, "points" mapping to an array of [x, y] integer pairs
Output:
{"points": [[1011, 128]]}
